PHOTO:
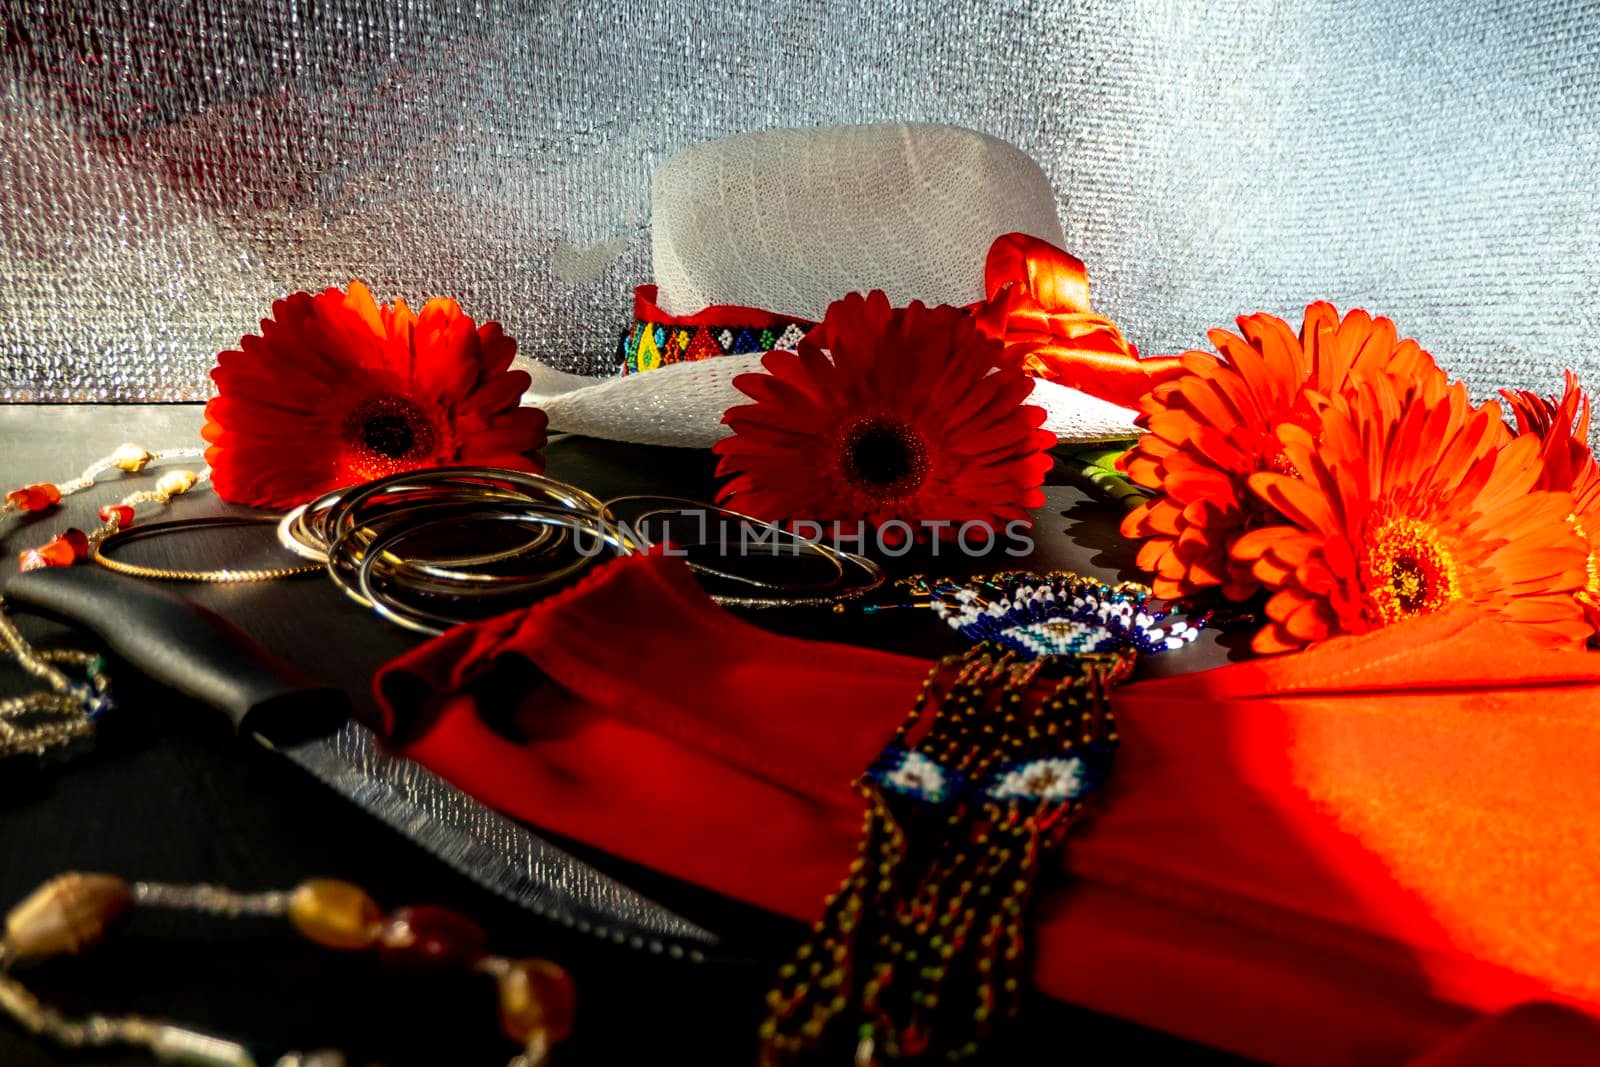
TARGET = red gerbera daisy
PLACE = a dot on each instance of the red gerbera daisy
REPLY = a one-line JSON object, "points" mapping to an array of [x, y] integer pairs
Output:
{"points": [[338, 390], [1563, 427], [1214, 426], [909, 414], [1399, 509]]}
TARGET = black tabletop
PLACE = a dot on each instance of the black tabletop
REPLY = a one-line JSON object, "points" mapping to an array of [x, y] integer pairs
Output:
{"points": [[168, 792]]}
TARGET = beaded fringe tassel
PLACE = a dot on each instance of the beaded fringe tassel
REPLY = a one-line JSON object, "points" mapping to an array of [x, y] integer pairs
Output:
{"points": [[922, 951]]}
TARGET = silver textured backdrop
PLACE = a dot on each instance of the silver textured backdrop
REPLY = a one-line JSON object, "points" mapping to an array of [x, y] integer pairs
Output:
{"points": [[168, 168]]}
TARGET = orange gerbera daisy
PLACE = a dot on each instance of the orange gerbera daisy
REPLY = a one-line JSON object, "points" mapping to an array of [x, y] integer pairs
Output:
{"points": [[1569, 465], [1214, 426], [338, 389], [1399, 509]]}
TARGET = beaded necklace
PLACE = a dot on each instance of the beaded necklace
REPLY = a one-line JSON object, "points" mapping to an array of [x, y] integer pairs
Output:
{"points": [[70, 546], [74, 912], [922, 950], [69, 705], [1058, 613]]}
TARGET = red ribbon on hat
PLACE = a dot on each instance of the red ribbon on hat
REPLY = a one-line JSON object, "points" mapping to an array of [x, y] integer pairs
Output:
{"points": [[1044, 295]]}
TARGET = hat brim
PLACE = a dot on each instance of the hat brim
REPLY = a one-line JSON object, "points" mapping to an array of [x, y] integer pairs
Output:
{"points": [[681, 404]]}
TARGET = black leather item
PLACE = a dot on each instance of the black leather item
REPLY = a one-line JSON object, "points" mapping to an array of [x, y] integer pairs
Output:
{"points": [[188, 648]]}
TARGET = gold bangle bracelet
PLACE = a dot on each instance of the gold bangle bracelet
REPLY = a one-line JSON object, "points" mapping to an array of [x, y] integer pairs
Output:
{"points": [[98, 550]]}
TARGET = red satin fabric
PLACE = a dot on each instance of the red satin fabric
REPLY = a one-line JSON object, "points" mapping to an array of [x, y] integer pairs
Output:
{"points": [[1055, 278], [1254, 880], [1046, 291]]}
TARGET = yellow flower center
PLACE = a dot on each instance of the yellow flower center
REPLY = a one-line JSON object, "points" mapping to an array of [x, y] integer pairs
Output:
{"points": [[1409, 570], [1282, 464], [1591, 588]]}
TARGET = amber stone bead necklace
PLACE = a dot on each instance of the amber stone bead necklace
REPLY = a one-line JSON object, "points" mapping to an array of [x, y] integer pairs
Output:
{"points": [[74, 911], [71, 546]]}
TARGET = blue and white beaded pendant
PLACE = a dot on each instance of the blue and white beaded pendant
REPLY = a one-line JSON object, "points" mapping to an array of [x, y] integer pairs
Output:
{"points": [[1056, 779], [1057, 614], [912, 774]]}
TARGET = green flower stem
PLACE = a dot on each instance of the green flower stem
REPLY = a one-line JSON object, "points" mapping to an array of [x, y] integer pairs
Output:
{"points": [[1096, 467]]}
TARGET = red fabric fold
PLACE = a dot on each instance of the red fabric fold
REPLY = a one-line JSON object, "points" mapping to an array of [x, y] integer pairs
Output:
{"points": [[1544, 1034], [1310, 859], [664, 730]]}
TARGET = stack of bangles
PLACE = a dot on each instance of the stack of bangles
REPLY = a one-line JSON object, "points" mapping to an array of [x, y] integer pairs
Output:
{"points": [[823, 574], [396, 545]]}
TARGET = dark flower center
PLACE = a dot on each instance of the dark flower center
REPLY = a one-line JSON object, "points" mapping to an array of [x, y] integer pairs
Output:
{"points": [[884, 456], [388, 434], [1409, 583]]}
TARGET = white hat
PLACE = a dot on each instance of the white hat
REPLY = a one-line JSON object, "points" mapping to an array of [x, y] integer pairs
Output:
{"points": [[791, 220]]}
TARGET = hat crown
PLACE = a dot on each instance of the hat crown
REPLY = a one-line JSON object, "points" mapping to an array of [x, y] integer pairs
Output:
{"points": [[792, 219]]}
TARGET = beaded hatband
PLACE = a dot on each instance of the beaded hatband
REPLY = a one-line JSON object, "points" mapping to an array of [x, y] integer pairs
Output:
{"points": [[658, 338], [922, 950]]}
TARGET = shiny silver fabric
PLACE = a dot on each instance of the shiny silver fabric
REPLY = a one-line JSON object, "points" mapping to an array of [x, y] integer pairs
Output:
{"points": [[493, 850], [168, 167]]}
